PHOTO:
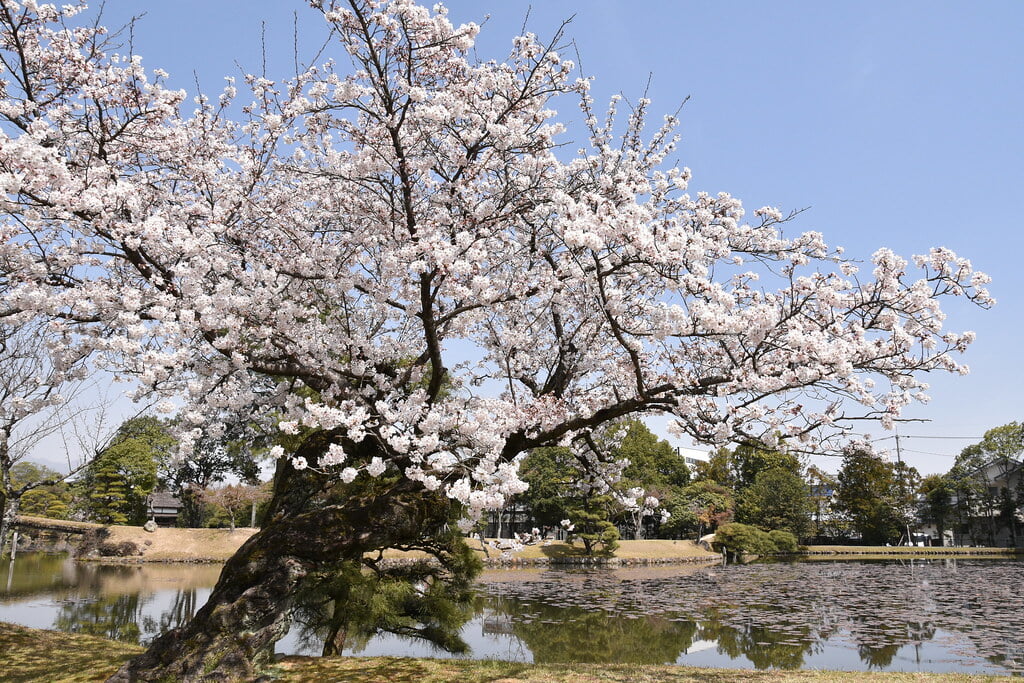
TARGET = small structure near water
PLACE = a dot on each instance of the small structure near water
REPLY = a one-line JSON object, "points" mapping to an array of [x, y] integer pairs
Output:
{"points": [[163, 508]]}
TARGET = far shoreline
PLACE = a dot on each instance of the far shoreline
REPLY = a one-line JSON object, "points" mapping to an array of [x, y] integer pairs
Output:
{"points": [[205, 546]]}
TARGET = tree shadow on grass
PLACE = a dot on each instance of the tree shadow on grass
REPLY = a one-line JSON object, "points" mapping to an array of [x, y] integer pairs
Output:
{"points": [[397, 670], [35, 655]]}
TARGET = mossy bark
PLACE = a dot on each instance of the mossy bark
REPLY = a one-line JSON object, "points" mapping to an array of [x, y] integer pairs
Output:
{"points": [[306, 528]]}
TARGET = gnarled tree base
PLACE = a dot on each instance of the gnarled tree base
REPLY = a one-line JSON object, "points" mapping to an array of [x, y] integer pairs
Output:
{"points": [[311, 524]]}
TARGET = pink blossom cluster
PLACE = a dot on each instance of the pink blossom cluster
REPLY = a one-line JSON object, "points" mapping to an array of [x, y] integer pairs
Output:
{"points": [[319, 262]]}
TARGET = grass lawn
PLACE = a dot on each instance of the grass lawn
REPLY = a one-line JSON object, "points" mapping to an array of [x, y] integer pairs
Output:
{"points": [[32, 655]]}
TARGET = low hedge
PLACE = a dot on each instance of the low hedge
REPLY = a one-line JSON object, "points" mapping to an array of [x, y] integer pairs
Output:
{"points": [[743, 538]]}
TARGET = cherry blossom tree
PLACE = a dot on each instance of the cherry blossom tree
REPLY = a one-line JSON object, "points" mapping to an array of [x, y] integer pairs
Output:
{"points": [[36, 390], [322, 261]]}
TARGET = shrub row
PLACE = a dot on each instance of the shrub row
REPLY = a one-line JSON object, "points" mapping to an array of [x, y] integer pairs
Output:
{"points": [[743, 538]]}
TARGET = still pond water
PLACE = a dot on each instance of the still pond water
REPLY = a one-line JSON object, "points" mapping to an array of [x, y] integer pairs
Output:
{"points": [[920, 615]]}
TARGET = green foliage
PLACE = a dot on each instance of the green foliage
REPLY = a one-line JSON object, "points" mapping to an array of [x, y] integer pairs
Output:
{"points": [[778, 499], [346, 603], [1001, 443], [107, 499], [49, 500], [698, 509], [653, 464], [743, 538], [937, 502], [737, 469], [115, 486], [981, 507], [871, 495], [592, 526], [549, 473], [552, 472], [784, 541]]}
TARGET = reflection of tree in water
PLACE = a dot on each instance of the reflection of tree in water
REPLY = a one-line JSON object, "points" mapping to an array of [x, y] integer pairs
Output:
{"points": [[783, 646], [346, 608], [182, 608], [573, 634], [32, 573], [115, 617], [347, 602], [778, 615], [126, 616], [880, 638]]}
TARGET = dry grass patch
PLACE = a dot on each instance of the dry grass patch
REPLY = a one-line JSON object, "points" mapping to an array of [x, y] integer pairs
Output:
{"points": [[182, 545], [28, 654], [403, 670]]}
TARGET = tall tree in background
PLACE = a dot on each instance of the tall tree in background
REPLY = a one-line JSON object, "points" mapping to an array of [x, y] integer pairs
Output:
{"points": [[235, 451], [655, 473], [869, 495], [310, 265], [981, 480], [550, 474], [778, 499], [235, 498], [738, 467], [116, 484], [699, 508], [937, 503]]}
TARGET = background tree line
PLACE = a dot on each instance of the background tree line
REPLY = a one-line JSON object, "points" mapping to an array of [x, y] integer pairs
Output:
{"points": [[869, 500], [142, 458]]}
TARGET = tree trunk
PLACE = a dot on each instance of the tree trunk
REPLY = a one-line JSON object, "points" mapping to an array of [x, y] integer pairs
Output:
{"points": [[7, 516], [334, 642], [232, 636]]}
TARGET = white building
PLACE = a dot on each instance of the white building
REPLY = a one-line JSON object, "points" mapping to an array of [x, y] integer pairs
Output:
{"points": [[692, 457]]}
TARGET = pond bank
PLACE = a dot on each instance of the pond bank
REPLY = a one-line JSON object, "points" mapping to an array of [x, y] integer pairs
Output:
{"points": [[38, 655], [891, 552], [217, 545]]}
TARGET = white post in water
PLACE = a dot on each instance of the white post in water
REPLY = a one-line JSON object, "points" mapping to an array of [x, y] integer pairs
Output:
{"points": [[14, 545]]}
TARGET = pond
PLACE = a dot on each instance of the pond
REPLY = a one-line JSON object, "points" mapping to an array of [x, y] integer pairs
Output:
{"points": [[911, 615]]}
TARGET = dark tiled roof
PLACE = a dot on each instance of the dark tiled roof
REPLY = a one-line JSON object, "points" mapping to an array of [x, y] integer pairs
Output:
{"points": [[163, 499]]}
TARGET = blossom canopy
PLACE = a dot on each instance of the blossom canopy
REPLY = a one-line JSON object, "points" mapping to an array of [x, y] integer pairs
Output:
{"points": [[397, 247]]}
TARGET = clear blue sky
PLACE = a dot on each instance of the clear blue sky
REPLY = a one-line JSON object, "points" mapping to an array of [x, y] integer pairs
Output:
{"points": [[898, 124]]}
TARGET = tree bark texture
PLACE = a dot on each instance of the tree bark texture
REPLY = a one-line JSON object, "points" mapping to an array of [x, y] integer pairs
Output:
{"points": [[7, 517], [232, 636]]}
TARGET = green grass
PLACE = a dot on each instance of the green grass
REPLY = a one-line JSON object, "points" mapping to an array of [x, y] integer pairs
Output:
{"points": [[34, 655]]}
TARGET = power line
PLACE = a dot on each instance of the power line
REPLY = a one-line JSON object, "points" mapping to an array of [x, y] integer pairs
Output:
{"points": [[944, 455], [921, 436]]}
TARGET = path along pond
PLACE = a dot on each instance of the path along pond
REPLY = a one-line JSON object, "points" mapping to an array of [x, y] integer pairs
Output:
{"points": [[939, 615]]}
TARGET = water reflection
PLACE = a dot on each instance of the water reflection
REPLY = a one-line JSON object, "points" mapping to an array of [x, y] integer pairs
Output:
{"points": [[130, 603], [936, 615]]}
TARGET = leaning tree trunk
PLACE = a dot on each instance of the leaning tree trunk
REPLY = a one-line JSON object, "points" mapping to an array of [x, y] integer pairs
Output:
{"points": [[232, 636]]}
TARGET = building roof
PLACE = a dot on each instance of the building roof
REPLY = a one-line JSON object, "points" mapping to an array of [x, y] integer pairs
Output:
{"points": [[164, 499]]}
